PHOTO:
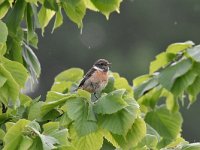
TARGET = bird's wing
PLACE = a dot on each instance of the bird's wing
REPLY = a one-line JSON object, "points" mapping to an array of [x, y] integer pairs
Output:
{"points": [[87, 75]]}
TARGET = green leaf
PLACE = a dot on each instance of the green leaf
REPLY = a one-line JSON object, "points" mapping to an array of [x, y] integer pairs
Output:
{"points": [[149, 141], [183, 82], [32, 1], [48, 142], [4, 7], [152, 131], [84, 94], [58, 20], [16, 15], [192, 146], [3, 48], [110, 103], [75, 10], [32, 37], [121, 121], [134, 135], [151, 98], [145, 87], [194, 52], [17, 70], [92, 141], [194, 89], [14, 135], [166, 123], [54, 96], [4, 92], [2, 134], [61, 87], [51, 4], [122, 83], [11, 84], [73, 74], [3, 31], [106, 7], [53, 129], [35, 110], [90, 5], [77, 110], [48, 106], [32, 62], [161, 61], [141, 79], [2, 80], [64, 120], [177, 47], [168, 76], [44, 16], [25, 144], [171, 101]]}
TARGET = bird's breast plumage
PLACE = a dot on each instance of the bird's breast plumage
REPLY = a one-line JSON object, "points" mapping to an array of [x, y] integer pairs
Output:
{"points": [[97, 81]]}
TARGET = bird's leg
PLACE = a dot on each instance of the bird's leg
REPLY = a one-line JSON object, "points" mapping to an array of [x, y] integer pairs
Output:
{"points": [[95, 95]]}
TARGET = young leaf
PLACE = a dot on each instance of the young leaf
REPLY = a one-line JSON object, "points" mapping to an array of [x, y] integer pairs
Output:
{"points": [[192, 146], [121, 121], [17, 70], [2, 80], [92, 141], [53, 129], [162, 60], [11, 84], [145, 87], [48, 106], [194, 53], [122, 83], [44, 16], [16, 15], [14, 135], [183, 82], [54, 96], [177, 47], [75, 10], [32, 1], [73, 74], [106, 7], [110, 103], [90, 5], [35, 110], [77, 110], [166, 123], [32, 62], [3, 31], [134, 135], [168, 76], [51, 4], [194, 90], [25, 144], [32, 38], [4, 7], [58, 20]]}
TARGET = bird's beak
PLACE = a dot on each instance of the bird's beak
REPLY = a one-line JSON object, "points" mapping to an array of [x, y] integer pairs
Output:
{"points": [[109, 64]]}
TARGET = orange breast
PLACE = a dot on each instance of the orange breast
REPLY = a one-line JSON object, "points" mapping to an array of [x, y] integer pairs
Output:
{"points": [[99, 76]]}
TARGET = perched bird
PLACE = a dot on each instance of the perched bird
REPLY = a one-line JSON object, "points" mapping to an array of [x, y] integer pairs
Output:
{"points": [[96, 78]]}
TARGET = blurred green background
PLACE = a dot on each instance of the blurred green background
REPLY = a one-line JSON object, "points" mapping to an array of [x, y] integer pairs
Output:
{"points": [[130, 40]]}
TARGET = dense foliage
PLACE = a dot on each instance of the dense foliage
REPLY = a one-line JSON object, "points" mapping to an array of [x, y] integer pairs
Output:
{"points": [[144, 115]]}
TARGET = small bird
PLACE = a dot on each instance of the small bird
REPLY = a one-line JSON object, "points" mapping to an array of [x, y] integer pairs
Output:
{"points": [[96, 78]]}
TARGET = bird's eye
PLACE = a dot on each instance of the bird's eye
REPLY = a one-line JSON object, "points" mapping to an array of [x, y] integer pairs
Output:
{"points": [[101, 64]]}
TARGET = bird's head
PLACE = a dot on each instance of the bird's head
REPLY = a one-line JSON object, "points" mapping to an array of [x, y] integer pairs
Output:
{"points": [[102, 64]]}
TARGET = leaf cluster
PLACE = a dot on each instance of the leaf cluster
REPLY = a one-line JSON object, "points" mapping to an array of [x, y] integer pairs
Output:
{"points": [[141, 116]]}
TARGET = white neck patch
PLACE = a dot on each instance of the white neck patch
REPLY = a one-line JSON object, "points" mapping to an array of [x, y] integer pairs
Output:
{"points": [[97, 68]]}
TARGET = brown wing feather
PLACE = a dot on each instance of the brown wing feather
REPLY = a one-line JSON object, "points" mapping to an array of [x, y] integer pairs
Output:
{"points": [[87, 75]]}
